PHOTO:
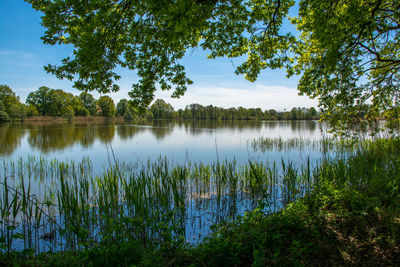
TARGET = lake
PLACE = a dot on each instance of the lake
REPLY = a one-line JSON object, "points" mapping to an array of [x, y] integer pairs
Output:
{"points": [[204, 141], [185, 174]]}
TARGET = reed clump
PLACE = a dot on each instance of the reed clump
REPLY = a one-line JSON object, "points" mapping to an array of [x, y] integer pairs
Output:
{"points": [[64, 206]]}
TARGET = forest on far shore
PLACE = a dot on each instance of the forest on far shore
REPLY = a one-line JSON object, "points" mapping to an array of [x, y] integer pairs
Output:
{"points": [[56, 102]]}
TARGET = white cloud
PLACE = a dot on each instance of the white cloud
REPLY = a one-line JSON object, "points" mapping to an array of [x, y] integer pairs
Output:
{"points": [[254, 95]]}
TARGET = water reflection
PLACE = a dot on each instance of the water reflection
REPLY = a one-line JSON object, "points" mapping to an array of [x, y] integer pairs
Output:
{"points": [[48, 137], [10, 137], [126, 132]]}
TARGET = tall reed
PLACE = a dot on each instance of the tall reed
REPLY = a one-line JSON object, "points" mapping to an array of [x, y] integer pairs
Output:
{"points": [[52, 205]]}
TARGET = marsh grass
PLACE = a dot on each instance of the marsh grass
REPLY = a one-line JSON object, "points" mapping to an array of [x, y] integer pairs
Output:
{"points": [[343, 210], [349, 216], [63, 206]]}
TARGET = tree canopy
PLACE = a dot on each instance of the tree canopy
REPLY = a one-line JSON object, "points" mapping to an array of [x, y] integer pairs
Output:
{"points": [[55, 102], [346, 52]]}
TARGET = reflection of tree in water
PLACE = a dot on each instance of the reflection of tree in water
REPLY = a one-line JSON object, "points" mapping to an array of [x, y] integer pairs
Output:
{"points": [[311, 125], [51, 137], [10, 137], [106, 133], [195, 127], [158, 128], [163, 123], [161, 128], [126, 132], [58, 136], [89, 134], [244, 125], [270, 124], [303, 126], [161, 132]]}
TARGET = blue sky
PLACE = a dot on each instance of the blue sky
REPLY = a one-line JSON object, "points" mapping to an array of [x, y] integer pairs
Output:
{"points": [[23, 55]]}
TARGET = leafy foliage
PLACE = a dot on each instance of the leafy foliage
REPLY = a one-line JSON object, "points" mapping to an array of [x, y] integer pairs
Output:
{"points": [[107, 106], [346, 52], [10, 106], [348, 56], [89, 102], [161, 109], [4, 116], [51, 102]]}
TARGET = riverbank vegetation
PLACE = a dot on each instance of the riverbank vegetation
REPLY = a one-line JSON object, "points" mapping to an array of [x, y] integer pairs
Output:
{"points": [[344, 210], [46, 102]]}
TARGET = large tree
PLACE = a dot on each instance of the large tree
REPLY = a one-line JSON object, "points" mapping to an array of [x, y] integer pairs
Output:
{"points": [[162, 110], [107, 106], [89, 102], [346, 52]]}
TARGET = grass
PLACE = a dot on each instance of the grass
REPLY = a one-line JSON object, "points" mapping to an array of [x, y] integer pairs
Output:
{"points": [[62, 206], [351, 217], [343, 211]]}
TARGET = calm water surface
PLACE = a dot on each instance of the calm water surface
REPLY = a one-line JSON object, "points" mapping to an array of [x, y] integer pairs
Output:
{"points": [[180, 142], [204, 141]]}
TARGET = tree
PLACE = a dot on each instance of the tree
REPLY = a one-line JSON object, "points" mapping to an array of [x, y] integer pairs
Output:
{"points": [[78, 107], [89, 102], [3, 114], [11, 104], [50, 102], [2, 108], [38, 99], [125, 109], [68, 112], [161, 109], [107, 106], [346, 52], [32, 111], [47, 101], [122, 107]]}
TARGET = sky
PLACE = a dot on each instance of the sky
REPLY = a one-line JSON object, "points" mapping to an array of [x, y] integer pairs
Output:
{"points": [[23, 55]]}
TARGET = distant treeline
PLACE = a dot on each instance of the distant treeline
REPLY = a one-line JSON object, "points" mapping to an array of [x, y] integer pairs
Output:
{"points": [[56, 102], [162, 110]]}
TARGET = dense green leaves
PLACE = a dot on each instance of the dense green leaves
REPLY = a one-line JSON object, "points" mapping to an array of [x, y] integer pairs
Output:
{"points": [[346, 52], [126, 110], [51, 102], [107, 106], [162, 110], [348, 56], [151, 36], [89, 102]]}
